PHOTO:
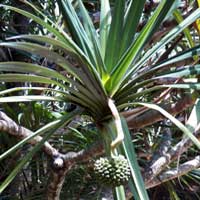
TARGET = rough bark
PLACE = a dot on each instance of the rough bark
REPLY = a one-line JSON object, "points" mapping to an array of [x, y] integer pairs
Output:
{"points": [[56, 181], [175, 172], [156, 166], [64, 164], [156, 162]]}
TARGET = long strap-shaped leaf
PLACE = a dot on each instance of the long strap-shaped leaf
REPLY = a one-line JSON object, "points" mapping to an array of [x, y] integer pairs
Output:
{"points": [[86, 78], [68, 98], [47, 40], [115, 33], [31, 68], [29, 78], [87, 68], [190, 86], [183, 128], [184, 71], [52, 28], [181, 56], [127, 88], [59, 33], [131, 92], [105, 20], [131, 21], [41, 89], [93, 37], [118, 73], [40, 79], [131, 88], [128, 149], [73, 51], [49, 27], [170, 36], [173, 60], [40, 12], [64, 96], [134, 95], [44, 52], [76, 29], [44, 71], [29, 98]]}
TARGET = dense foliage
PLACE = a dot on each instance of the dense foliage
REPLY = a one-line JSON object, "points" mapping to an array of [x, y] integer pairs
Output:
{"points": [[87, 79]]}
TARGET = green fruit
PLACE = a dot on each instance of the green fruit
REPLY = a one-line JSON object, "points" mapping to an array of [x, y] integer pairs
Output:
{"points": [[113, 171]]}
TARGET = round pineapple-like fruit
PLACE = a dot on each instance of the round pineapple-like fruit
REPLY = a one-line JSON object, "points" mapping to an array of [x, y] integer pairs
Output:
{"points": [[113, 171]]}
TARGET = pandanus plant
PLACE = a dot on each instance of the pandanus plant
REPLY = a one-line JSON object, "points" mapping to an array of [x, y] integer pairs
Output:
{"points": [[106, 72]]}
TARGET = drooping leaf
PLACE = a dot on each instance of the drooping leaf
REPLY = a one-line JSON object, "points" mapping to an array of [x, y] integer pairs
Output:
{"points": [[23, 67], [183, 128], [44, 52], [29, 78], [28, 98]]}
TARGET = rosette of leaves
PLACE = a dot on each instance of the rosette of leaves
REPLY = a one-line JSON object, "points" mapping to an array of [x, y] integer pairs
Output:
{"points": [[111, 62]]}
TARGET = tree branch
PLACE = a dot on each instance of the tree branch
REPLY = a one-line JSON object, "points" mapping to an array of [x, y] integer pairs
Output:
{"points": [[9, 126], [156, 162], [157, 165], [176, 172], [61, 163], [153, 116], [67, 162]]}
